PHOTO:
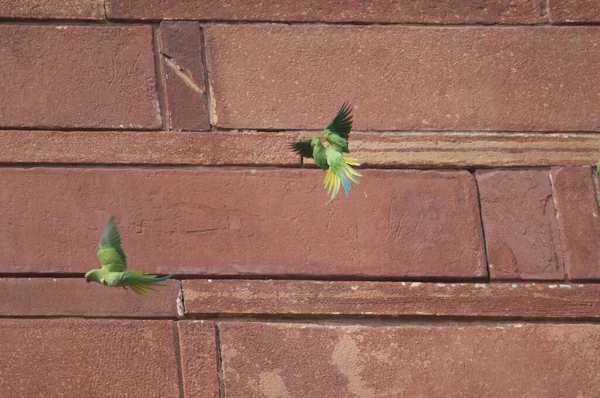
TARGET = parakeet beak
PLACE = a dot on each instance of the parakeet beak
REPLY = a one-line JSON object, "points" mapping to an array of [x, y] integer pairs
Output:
{"points": [[87, 280]]}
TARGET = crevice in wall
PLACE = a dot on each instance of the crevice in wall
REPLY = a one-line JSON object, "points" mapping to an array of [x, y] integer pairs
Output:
{"points": [[560, 234], [104, 11], [485, 249], [181, 73], [181, 302], [160, 85], [219, 361], [177, 345], [210, 95]]}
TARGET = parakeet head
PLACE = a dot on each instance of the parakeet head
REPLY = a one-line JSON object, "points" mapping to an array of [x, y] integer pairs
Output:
{"points": [[92, 276]]}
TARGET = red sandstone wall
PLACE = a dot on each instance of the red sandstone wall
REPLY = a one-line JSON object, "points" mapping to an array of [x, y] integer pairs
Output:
{"points": [[464, 264]]}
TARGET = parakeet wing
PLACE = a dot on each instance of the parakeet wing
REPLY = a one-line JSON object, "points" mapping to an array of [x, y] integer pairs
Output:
{"points": [[337, 131], [110, 254], [342, 122], [303, 148]]}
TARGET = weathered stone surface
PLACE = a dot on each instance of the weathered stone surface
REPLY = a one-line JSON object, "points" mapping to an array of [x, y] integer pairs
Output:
{"points": [[42, 9], [199, 358], [405, 78], [407, 11], [390, 299], [566, 11], [395, 223], [80, 358], [495, 360], [519, 221], [414, 149], [183, 76], [148, 147], [74, 297], [77, 77], [577, 213]]}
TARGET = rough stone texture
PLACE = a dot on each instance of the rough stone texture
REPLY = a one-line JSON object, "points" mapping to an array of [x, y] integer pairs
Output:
{"points": [[183, 76], [578, 220], [43, 9], [566, 11], [414, 149], [390, 299], [405, 78], [77, 77], [519, 221], [148, 147], [199, 358], [80, 358], [74, 297], [396, 223], [403, 11], [495, 360]]}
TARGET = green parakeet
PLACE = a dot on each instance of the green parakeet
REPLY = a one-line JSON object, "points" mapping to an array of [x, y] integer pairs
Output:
{"points": [[330, 158], [114, 262]]}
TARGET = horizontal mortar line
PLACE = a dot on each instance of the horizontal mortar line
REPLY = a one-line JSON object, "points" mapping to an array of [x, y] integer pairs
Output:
{"points": [[295, 22], [330, 320], [449, 25], [216, 130], [473, 149], [409, 320], [151, 166], [83, 129], [125, 22], [319, 278], [119, 21], [103, 317], [316, 278], [73, 22], [432, 166]]}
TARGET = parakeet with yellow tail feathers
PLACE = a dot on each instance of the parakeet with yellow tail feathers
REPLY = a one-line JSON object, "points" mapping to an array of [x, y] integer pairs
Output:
{"points": [[113, 263], [330, 158]]}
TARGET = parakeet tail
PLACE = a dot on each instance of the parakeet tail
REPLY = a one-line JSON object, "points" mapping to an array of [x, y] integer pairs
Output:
{"points": [[341, 175], [140, 282]]}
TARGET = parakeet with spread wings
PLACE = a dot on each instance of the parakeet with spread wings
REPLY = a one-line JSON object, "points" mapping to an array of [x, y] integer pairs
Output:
{"points": [[113, 262], [330, 158]]}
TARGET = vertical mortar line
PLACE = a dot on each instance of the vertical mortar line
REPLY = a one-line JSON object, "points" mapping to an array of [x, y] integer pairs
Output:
{"points": [[560, 233], [485, 249], [105, 13], [219, 361], [548, 12], [301, 158], [178, 358], [595, 183], [158, 72], [208, 86], [181, 302]]}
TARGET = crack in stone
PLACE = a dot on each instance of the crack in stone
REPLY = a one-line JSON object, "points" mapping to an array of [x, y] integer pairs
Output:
{"points": [[183, 75]]}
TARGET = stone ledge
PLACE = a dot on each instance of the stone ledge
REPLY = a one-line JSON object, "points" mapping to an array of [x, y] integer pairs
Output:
{"points": [[373, 149], [208, 298], [74, 297], [402, 11], [147, 147]]}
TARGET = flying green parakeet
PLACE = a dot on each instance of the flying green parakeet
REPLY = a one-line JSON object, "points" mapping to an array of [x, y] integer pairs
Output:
{"points": [[330, 158], [114, 262]]}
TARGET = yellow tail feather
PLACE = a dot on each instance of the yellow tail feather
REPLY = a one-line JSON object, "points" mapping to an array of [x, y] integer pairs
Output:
{"points": [[340, 176]]}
